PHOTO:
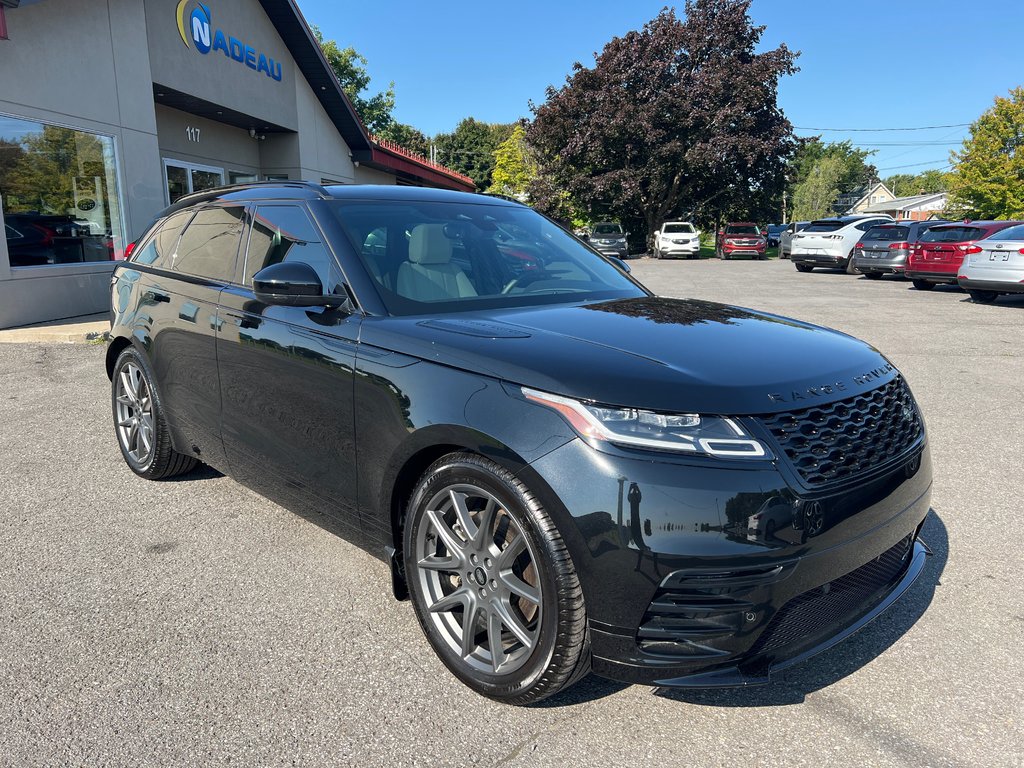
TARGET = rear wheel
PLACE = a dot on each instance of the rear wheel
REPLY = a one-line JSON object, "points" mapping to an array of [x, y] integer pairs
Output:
{"points": [[873, 275], [492, 583], [851, 266], [923, 285], [803, 267], [142, 433], [983, 297]]}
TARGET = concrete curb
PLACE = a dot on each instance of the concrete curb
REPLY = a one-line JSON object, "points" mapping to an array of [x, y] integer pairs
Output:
{"points": [[91, 329]]}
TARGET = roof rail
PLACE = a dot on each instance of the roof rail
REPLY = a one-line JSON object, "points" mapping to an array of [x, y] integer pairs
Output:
{"points": [[210, 194]]}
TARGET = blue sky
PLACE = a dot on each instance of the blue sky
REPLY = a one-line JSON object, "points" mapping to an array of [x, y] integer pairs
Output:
{"points": [[871, 64]]}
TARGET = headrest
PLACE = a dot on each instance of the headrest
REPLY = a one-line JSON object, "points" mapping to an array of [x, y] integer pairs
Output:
{"points": [[428, 245]]}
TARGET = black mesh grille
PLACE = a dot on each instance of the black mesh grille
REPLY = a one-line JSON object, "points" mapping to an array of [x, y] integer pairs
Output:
{"points": [[837, 603], [829, 443]]}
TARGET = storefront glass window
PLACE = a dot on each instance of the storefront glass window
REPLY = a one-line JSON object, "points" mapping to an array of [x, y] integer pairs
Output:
{"points": [[60, 195]]}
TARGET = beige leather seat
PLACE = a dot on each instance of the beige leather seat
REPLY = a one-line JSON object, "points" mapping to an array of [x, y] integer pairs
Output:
{"points": [[429, 274]]}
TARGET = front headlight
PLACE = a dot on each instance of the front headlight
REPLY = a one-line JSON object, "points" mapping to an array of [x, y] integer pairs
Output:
{"points": [[692, 433]]}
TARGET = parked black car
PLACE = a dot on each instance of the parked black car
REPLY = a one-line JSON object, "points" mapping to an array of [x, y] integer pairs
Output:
{"points": [[564, 471], [610, 239]]}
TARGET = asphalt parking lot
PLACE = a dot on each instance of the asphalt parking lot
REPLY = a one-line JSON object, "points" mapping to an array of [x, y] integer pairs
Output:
{"points": [[195, 623]]}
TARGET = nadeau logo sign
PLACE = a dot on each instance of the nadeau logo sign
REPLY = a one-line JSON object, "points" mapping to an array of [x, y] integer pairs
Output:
{"points": [[198, 31]]}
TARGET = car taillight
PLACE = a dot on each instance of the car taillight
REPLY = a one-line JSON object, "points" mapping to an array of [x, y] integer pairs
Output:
{"points": [[128, 250], [859, 245], [899, 246], [971, 248]]}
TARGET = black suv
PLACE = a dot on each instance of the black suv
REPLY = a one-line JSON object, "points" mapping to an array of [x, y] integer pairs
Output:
{"points": [[564, 471]]}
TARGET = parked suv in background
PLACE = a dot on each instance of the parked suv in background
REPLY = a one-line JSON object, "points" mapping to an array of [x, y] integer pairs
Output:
{"points": [[368, 354], [994, 266], [786, 238], [677, 238], [829, 242], [609, 238], [937, 256], [741, 238], [883, 249]]}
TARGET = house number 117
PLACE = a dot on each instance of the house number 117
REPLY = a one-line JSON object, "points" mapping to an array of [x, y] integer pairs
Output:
{"points": [[192, 134]]}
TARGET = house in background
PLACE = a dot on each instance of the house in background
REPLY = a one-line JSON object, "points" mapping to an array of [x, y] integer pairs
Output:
{"points": [[859, 200], [913, 208]]}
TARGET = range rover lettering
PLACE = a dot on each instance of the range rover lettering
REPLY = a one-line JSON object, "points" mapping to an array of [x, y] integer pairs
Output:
{"points": [[564, 472]]}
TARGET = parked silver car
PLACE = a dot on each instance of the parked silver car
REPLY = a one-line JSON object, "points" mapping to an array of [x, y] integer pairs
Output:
{"points": [[883, 250], [829, 242], [786, 238], [994, 266]]}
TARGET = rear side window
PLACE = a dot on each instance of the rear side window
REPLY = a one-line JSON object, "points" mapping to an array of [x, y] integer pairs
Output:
{"points": [[209, 245], [286, 233], [887, 234], [159, 249], [1010, 233], [864, 226], [824, 226], [950, 234]]}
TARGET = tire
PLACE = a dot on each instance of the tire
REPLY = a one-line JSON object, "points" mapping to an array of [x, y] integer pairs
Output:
{"points": [[983, 297], [873, 275], [518, 579], [803, 267], [851, 266], [923, 285], [139, 424]]}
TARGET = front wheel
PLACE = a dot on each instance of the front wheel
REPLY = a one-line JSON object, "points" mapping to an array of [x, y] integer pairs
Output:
{"points": [[923, 285], [803, 267], [142, 433], [492, 583]]}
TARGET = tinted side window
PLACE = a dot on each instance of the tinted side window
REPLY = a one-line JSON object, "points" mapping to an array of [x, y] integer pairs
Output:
{"points": [[209, 244], [159, 249], [1010, 233], [286, 233]]}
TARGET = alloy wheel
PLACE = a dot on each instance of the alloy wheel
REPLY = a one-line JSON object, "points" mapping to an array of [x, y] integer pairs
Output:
{"points": [[134, 414], [477, 573]]}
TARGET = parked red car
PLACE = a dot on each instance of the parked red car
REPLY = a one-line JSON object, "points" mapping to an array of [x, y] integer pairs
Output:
{"points": [[741, 238], [938, 254]]}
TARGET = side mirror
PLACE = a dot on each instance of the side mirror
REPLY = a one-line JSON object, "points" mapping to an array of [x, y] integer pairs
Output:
{"points": [[585, 236], [292, 284], [620, 264]]}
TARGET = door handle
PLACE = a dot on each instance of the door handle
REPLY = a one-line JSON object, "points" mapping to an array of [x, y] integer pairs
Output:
{"points": [[156, 296], [243, 321]]}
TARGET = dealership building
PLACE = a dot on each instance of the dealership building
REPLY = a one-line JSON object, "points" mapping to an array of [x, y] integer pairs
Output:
{"points": [[112, 109]]}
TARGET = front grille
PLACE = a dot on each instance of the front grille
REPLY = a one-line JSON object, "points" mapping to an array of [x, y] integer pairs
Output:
{"points": [[835, 604], [840, 440]]}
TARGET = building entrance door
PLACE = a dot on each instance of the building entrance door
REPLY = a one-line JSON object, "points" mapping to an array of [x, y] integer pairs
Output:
{"points": [[182, 178]]}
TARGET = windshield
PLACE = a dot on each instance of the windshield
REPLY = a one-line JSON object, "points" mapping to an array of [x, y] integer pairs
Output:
{"points": [[887, 234], [607, 229], [742, 229], [950, 234], [675, 229], [1010, 233], [825, 226], [448, 257]]}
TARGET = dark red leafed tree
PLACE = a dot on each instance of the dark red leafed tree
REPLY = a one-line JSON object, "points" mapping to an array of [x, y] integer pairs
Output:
{"points": [[677, 118]]}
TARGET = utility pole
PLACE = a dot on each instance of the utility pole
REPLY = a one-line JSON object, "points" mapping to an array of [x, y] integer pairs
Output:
{"points": [[784, 207]]}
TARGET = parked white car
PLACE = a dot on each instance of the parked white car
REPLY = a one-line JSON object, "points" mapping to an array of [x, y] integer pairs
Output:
{"points": [[677, 238], [830, 242], [994, 266]]}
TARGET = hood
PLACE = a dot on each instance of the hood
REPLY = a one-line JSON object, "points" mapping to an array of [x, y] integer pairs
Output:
{"points": [[655, 353]]}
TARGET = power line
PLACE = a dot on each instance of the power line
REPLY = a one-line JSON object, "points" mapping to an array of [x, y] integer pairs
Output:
{"points": [[911, 144], [914, 165], [879, 130]]}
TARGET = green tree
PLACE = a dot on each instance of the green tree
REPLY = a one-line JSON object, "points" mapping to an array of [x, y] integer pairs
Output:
{"points": [[350, 69], [854, 170], [470, 148], [406, 136], [987, 180], [814, 196], [924, 183], [514, 168], [679, 116]]}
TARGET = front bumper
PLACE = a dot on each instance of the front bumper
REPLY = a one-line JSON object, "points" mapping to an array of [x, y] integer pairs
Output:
{"points": [[649, 537], [676, 249]]}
